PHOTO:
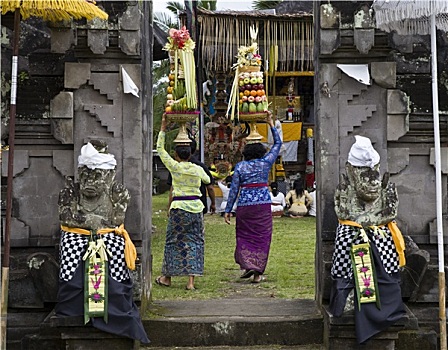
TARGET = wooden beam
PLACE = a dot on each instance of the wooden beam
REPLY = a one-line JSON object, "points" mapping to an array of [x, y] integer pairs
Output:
{"points": [[292, 74]]}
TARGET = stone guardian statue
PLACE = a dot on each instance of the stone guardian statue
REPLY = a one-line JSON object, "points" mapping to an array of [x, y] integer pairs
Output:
{"points": [[96, 252], [369, 247]]}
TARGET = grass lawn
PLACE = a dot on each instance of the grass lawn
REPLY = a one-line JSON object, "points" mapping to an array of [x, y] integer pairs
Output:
{"points": [[289, 273]]}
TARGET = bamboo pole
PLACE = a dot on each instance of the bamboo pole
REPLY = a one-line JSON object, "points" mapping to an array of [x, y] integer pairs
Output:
{"points": [[439, 201], [9, 183]]}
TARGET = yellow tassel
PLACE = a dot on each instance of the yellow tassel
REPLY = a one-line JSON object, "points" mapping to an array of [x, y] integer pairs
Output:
{"points": [[54, 10], [130, 253], [400, 245]]}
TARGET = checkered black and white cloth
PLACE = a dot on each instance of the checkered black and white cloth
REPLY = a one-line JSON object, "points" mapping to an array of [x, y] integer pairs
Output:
{"points": [[345, 234], [73, 247]]}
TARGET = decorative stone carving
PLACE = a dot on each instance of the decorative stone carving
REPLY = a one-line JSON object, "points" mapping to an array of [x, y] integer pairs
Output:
{"points": [[95, 202], [384, 74], [398, 159], [330, 38], [330, 18], [364, 29], [354, 109], [76, 74], [397, 114], [62, 39], [61, 113], [98, 40], [443, 159], [364, 39], [362, 196]]}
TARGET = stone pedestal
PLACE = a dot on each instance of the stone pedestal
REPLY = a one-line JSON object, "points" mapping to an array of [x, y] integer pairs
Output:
{"points": [[71, 333], [339, 333]]}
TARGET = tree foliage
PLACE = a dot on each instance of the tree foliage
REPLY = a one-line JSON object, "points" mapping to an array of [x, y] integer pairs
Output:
{"points": [[265, 4]]}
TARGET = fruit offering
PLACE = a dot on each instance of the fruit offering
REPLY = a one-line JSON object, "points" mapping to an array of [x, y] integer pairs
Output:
{"points": [[181, 90], [248, 93], [252, 96]]}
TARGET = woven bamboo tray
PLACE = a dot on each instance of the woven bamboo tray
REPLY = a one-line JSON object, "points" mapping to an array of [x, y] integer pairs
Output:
{"points": [[182, 117], [249, 69], [253, 116]]}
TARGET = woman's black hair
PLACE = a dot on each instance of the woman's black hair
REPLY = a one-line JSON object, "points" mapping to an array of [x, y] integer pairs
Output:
{"points": [[298, 187], [183, 152], [228, 180], [274, 188], [254, 151], [193, 143], [193, 146]]}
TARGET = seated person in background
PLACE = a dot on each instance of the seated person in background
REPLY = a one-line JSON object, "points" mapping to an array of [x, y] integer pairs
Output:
{"points": [[224, 185], [278, 200], [298, 200], [312, 207]]}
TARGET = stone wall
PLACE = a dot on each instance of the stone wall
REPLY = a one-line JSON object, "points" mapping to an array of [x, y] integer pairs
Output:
{"points": [[71, 92], [394, 111]]}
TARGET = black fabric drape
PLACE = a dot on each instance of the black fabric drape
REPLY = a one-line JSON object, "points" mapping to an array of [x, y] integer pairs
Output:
{"points": [[123, 314], [369, 320]]}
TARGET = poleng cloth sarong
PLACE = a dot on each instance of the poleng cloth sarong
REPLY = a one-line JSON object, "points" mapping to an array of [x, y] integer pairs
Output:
{"points": [[130, 253], [96, 268], [369, 320]]}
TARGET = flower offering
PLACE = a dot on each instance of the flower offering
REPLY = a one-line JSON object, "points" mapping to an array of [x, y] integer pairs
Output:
{"points": [[181, 92]]}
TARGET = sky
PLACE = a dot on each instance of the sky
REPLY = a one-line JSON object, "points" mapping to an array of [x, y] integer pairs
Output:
{"points": [[240, 5]]}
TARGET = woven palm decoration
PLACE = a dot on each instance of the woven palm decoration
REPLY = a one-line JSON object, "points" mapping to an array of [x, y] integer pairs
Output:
{"points": [[410, 16]]}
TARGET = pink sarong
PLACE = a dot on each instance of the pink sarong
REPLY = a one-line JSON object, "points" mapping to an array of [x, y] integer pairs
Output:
{"points": [[253, 236]]}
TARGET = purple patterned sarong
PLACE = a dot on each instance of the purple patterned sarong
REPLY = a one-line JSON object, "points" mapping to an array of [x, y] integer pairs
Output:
{"points": [[253, 236]]}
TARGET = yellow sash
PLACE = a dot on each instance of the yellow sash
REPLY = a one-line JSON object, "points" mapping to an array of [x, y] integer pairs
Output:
{"points": [[130, 253], [396, 236]]}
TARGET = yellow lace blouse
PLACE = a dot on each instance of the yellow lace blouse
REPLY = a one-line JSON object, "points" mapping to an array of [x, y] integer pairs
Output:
{"points": [[187, 178]]}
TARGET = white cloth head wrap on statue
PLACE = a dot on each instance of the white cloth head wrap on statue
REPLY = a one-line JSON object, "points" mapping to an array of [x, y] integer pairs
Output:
{"points": [[93, 159], [362, 153]]}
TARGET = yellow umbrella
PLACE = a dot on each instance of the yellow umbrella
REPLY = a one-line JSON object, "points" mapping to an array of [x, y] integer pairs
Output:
{"points": [[53, 11]]}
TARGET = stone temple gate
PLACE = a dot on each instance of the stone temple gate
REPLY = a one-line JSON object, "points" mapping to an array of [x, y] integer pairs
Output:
{"points": [[71, 91]]}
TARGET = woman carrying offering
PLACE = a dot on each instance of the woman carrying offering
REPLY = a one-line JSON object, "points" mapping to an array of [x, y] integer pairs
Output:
{"points": [[184, 245], [253, 213]]}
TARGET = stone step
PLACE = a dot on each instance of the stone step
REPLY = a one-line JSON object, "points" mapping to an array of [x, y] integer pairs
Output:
{"points": [[234, 322], [255, 347]]}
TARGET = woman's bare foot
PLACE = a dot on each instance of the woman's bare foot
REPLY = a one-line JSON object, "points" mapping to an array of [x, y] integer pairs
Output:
{"points": [[257, 278], [163, 281], [190, 284]]}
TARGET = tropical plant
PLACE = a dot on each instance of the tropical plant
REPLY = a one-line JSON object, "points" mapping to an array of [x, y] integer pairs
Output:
{"points": [[208, 5], [265, 4], [164, 21]]}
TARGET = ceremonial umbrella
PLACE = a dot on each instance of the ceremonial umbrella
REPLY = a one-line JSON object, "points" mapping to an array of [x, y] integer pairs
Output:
{"points": [[422, 17], [53, 11]]}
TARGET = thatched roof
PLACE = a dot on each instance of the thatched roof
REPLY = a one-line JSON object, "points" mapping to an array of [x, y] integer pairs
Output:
{"points": [[221, 33], [267, 14]]}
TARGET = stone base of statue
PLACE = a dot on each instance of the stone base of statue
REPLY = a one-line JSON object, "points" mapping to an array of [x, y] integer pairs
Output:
{"points": [[182, 118], [252, 119]]}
